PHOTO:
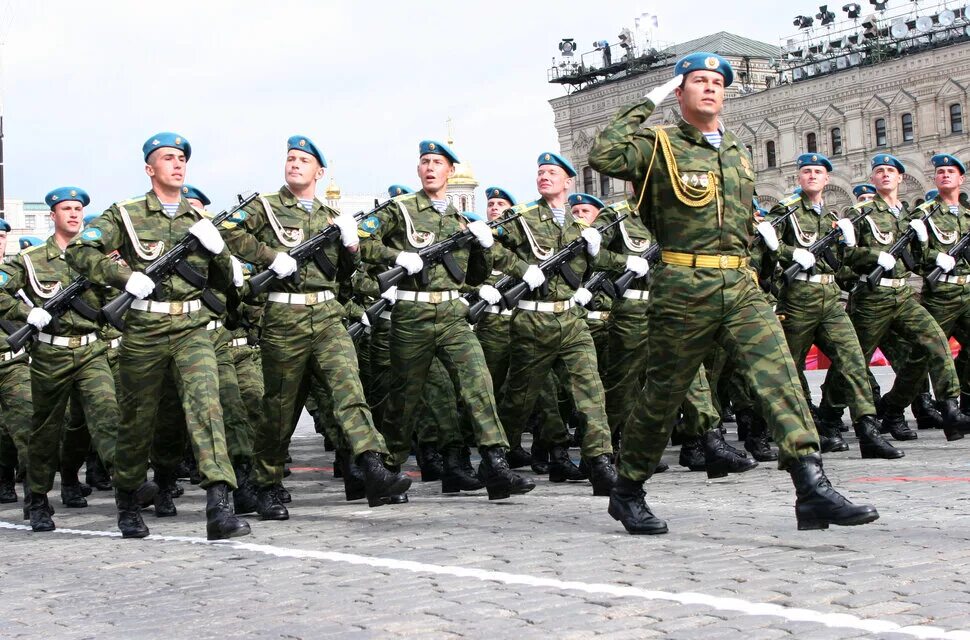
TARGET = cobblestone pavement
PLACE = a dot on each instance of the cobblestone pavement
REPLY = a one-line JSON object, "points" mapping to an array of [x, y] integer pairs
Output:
{"points": [[550, 564]]}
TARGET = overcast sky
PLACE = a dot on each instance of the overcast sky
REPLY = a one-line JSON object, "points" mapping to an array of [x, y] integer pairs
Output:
{"points": [[84, 84]]}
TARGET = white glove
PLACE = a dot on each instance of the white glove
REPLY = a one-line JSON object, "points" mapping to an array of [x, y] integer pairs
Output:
{"points": [[804, 258], [593, 240], [943, 261], [637, 265], [848, 231], [920, 228], [391, 294], [489, 294], [533, 277], [39, 318], [658, 94], [482, 233], [208, 235], [237, 272], [768, 233], [886, 261], [411, 262], [364, 320], [283, 265], [139, 285], [582, 296], [348, 230]]}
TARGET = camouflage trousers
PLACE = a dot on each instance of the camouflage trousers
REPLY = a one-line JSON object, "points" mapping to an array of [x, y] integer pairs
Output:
{"points": [[895, 314], [152, 357], [493, 334], [440, 418], [249, 374], [692, 310], [421, 332], [813, 314], [299, 344], [538, 342], [378, 384], [15, 411], [949, 305], [57, 373]]}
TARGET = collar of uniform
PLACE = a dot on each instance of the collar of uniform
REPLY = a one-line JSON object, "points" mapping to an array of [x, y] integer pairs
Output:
{"points": [[424, 202], [545, 213], [882, 205], [809, 206], [53, 251], [727, 138], [287, 199], [154, 204]]}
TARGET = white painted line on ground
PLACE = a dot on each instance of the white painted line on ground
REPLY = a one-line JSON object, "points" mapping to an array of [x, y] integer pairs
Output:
{"points": [[744, 607]]}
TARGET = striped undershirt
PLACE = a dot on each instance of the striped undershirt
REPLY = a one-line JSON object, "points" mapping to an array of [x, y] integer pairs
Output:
{"points": [[306, 204], [714, 139], [440, 205], [559, 215], [895, 210], [817, 208], [170, 209], [955, 209]]}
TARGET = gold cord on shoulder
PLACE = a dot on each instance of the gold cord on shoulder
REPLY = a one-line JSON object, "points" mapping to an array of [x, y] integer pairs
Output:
{"points": [[689, 195]]}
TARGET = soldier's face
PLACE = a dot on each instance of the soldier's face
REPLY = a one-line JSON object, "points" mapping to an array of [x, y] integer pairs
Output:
{"points": [[585, 212], [434, 171], [812, 179], [947, 179], [702, 94], [886, 178], [301, 170], [552, 180], [865, 197], [68, 217], [166, 167], [496, 207]]}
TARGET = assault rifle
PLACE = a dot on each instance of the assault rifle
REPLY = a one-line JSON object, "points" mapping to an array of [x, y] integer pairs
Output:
{"points": [[821, 247], [174, 261], [651, 254], [900, 249], [66, 299], [439, 252], [961, 249]]}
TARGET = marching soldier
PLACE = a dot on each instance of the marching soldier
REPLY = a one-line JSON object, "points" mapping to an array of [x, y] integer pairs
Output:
{"points": [[812, 308], [701, 184], [864, 192], [164, 332], [303, 334], [429, 320]]}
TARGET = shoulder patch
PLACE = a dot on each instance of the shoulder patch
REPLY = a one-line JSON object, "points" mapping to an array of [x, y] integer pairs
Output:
{"points": [[367, 226], [91, 234], [4, 278]]}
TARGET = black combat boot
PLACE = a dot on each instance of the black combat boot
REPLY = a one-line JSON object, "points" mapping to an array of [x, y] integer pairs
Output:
{"points": [[40, 513], [283, 493], [629, 506], [927, 417], [244, 495], [757, 442], [71, 496], [499, 479], [455, 477], [894, 423], [338, 464], [871, 443], [429, 461], [661, 467], [540, 457], [562, 468], [720, 460], [220, 520], [518, 457], [145, 493], [96, 474], [379, 481], [8, 485], [692, 454], [602, 475], [353, 477], [268, 504], [955, 424], [830, 438], [965, 403], [727, 413], [817, 504], [129, 514], [745, 419], [164, 502]]}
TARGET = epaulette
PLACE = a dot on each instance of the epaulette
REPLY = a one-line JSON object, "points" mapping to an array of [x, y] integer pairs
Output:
{"points": [[790, 200], [34, 248], [124, 203], [526, 206], [619, 207]]}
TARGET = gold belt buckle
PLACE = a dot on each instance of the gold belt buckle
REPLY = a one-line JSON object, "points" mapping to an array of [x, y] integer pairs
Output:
{"points": [[311, 298], [723, 261], [434, 297], [559, 306], [605, 316], [175, 308], [74, 342]]}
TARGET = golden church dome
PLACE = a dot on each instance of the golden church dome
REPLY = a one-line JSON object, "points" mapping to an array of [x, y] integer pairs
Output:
{"points": [[333, 191]]}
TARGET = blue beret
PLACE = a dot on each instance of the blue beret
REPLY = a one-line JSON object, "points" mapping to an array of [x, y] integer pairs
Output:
{"points": [[813, 160], [861, 189], [398, 190], [946, 160], [888, 160], [29, 241], [4, 225], [62, 194], [549, 157], [704, 61], [585, 198], [931, 194], [433, 146], [166, 139], [304, 144], [499, 192], [472, 216], [188, 191], [90, 217]]}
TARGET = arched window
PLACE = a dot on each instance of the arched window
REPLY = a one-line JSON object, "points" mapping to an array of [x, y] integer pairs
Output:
{"points": [[587, 180], [880, 127], [907, 127], [464, 203], [956, 118], [811, 143], [605, 189], [836, 141], [770, 154]]}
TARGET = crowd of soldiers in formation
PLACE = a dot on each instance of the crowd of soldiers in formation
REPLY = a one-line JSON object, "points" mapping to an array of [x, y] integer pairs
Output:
{"points": [[162, 337]]}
